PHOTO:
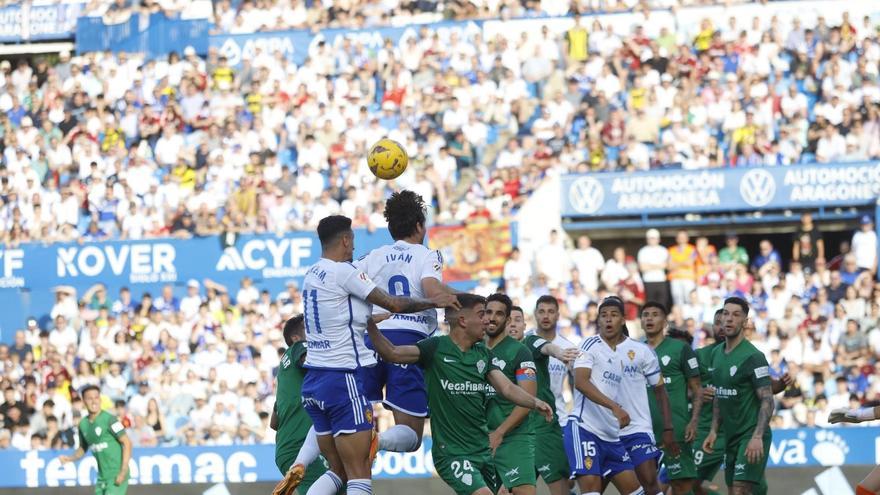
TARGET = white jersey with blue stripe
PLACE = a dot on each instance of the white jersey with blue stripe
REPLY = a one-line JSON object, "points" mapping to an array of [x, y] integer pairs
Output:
{"points": [[607, 375], [336, 310], [641, 370], [400, 268]]}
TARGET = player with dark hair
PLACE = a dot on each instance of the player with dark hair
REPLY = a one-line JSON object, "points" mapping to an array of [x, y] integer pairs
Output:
{"points": [[511, 437], [516, 323], [337, 299], [708, 463], [296, 446], [592, 434], [550, 460], [105, 435], [405, 268], [459, 370], [681, 372], [743, 402]]}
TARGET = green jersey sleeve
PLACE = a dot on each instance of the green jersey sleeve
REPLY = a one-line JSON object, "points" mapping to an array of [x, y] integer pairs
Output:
{"points": [[490, 360], [298, 354], [116, 428], [427, 348], [690, 365], [536, 344], [760, 370], [525, 366]]}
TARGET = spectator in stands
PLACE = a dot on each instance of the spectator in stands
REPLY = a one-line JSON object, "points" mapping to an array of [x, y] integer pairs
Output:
{"points": [[682, 268], [653, 260], [864, 245]]}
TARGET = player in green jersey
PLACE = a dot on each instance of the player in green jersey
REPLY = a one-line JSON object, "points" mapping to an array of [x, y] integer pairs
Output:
{"points": [[743, 402], [680, 371], [296, 447], [101, 432], [708, 463], [458, 371], [511, 437], [551, 463]]}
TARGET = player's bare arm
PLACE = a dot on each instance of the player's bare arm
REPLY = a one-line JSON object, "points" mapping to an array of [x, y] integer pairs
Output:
{"points": [[400, 354], [858, 415], [517, 416], [755, 447], [397, 304], [780, 385], [696, 388], [518, 396], [77, 455], [126, 457], [668, 432], [273, 421], [434, 287], [565, 355], [709, 442], [583, 384]]}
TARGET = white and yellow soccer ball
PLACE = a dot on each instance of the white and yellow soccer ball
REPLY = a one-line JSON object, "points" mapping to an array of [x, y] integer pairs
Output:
{"points": [[387, 159]]}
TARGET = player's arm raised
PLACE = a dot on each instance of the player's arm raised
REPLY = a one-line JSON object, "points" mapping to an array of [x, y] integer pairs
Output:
{"points": [[567, 356], [583, 384], [400, 354], [398, 304], [517, 395]]}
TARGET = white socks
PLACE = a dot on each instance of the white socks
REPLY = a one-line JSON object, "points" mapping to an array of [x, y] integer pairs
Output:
{"points": [[327, 484], [399, 438], [360, 487], [309, 450]]}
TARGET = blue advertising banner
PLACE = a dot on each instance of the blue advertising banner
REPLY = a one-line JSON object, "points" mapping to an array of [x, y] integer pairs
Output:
{"points": [[296, 44], [249, 463], [146, 265], [728, 189], [26, 22], [165, 465], [155, 38]]}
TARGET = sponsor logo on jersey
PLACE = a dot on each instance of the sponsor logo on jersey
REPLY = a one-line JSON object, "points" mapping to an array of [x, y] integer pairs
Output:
{"points": [[725, 392], [630, 370], [318, 344], [733, 370], [692, 362], [116, 427], [512, 472], [100, 446], [631, 355], [481, 365], [467, 387], [665, 360], [762, 372], [538, 343], [500, 363], [448, 360], [612, 377], [544, 469]]}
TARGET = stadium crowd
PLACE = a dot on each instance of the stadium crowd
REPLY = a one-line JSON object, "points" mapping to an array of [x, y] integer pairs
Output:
{"points": [[103, 146]]}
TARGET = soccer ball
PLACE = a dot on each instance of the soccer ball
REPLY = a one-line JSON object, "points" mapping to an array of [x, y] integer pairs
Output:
{"points": [[387, 159]]}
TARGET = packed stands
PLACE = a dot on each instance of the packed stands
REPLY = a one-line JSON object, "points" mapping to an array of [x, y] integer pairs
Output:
{"points": [[101, 146]]}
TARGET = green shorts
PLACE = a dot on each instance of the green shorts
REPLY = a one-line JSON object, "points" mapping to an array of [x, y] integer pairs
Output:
{"points": [[551, 463], [514, 460], [465, 474], [737, 468], [315, 470], [104, 487], [683, 466], [708, 464]]}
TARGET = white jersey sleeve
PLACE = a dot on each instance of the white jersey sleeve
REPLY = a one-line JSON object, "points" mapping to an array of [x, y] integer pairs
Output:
{"points": [[400, 268], [640, 369], [335, 314]]}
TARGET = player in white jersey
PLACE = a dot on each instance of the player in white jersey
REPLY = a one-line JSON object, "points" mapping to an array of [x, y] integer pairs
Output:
{"points": [[336, 302], [641, 370], [592, 435], [405, 268], [547, 317]]}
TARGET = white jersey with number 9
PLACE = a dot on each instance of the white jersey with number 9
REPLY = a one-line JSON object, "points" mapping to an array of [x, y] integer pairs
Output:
{"points": [[400, 268]]}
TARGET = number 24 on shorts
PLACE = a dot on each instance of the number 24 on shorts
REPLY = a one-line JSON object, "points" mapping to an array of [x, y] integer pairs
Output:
{"points": [[459, 469]]}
